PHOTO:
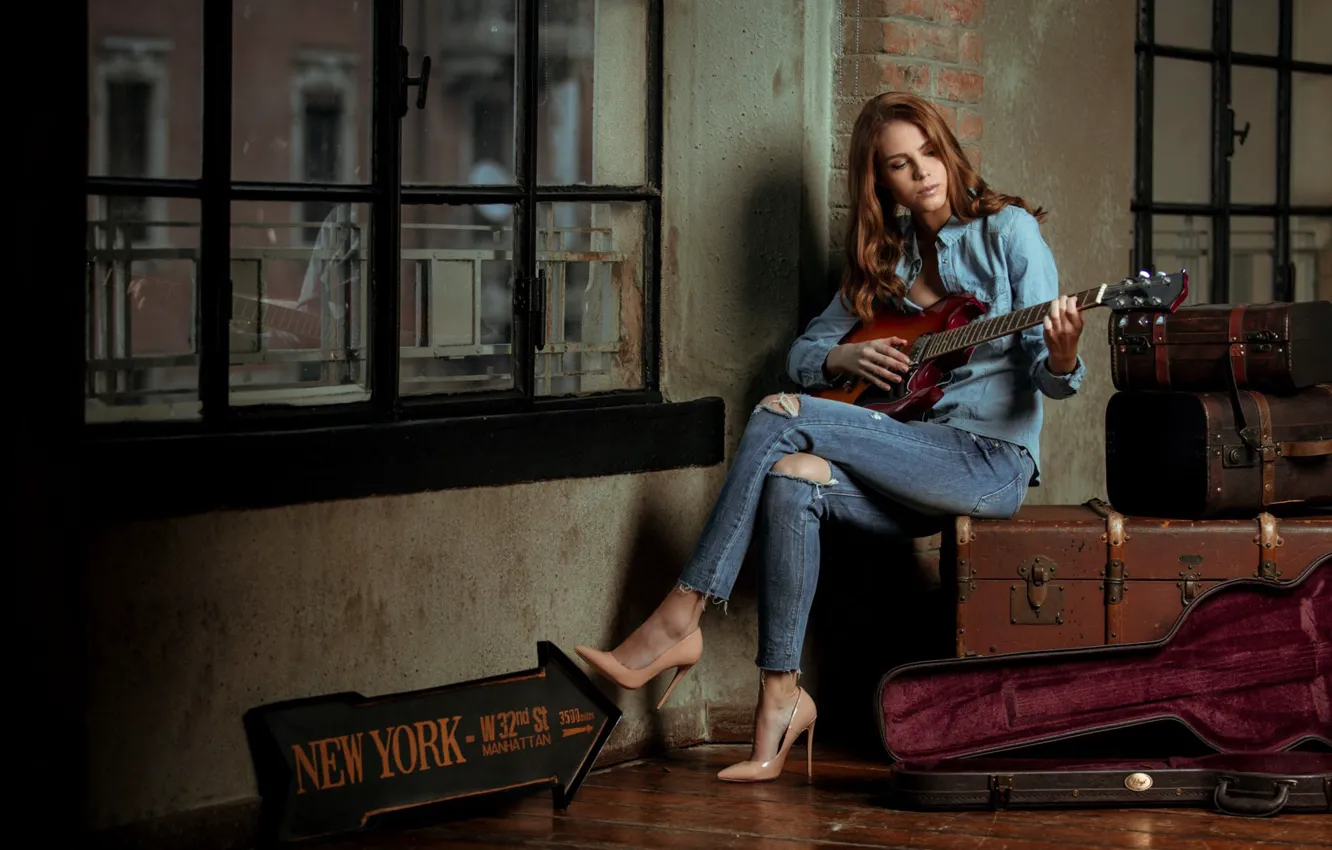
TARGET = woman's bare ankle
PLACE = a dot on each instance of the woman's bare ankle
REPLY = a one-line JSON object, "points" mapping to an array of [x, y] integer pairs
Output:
{"points": [[779, 688], [679, 613]]}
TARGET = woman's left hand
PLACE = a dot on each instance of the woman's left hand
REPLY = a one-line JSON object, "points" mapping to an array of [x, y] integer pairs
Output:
{"points": [[1063, 328]]}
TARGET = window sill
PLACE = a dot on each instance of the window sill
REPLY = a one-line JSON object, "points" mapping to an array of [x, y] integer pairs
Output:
{"points": [[146, 477]]}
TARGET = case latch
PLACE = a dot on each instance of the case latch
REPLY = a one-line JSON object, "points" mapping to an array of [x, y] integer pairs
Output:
{"points": [[1040, 602], [1001, 790], [1188, 586]]}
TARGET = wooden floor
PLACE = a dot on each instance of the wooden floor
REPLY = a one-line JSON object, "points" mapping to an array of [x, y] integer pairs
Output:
{"points": [[676, 801]]}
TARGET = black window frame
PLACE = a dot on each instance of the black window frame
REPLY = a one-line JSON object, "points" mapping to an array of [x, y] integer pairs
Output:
{"points": [[238, 457], [1219, 210]]}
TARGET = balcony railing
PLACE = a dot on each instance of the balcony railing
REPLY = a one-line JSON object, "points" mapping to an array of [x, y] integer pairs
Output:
{"points": [[455, 332]]}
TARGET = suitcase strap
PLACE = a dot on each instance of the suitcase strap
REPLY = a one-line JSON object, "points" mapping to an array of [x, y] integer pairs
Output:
{"points": [[1259, 439]]}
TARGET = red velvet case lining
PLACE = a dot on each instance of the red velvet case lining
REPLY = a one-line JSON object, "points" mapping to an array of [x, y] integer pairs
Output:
{"points": [[1247, 669]]}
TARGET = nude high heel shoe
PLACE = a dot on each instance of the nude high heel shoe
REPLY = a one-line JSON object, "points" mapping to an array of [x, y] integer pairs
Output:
{"points": [[681, 656], [803, 716]]}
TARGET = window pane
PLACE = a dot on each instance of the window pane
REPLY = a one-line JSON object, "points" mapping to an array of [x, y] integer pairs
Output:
{"points": [[301, 96], [465, 134], [1185, 242], [456, 280], [144, 88], [1251, 246], [1253, 26], [1182, 131], [1312, 23], [593, 258], [140, 344], [299, 311], [1184, 23], [1311, 252], [1253, 167], [1311, 130], [592, 106]]}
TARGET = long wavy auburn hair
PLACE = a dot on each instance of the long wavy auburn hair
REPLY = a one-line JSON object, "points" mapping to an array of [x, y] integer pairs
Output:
{"points": [[874, 239]]}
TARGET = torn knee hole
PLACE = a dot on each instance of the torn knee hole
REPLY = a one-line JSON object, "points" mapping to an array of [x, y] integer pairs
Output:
{"points": [[811, 468], [783, 403]]}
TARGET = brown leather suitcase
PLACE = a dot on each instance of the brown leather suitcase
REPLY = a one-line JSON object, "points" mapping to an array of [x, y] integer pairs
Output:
{"points": [[1241, 679], [1211, 455], [1060, 576], [1273, 348]]}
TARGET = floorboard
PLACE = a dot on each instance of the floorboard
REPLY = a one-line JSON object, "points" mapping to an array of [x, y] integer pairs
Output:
{"points": [[676, 801]]}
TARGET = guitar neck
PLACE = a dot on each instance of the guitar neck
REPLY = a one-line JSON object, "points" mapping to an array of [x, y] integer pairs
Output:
{"points": [[276, 317], [985, 330]]}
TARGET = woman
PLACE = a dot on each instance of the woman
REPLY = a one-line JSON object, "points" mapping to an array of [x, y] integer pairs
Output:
{"points": [[803, 460]]}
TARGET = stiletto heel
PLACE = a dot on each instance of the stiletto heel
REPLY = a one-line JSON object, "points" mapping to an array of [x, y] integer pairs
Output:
{"points": [[679, 674], [802, 719], [682, 656], [809, 752]]}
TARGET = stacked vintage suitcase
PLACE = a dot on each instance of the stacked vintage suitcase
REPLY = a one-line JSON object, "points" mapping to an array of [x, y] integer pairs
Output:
{"points": [[1200, 594]]}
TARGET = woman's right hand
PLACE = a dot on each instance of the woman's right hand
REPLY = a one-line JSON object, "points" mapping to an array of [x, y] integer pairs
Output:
{"points": [[877, 360]]}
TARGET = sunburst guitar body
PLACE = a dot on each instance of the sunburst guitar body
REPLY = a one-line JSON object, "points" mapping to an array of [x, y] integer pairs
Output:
{"points": [[943, 337]]}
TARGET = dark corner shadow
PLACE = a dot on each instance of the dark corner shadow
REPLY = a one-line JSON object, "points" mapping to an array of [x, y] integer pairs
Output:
{"points": [[655, 561], [875, 609]]}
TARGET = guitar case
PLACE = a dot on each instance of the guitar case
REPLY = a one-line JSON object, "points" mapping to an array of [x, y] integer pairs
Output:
{"points": [[1243, 675]]}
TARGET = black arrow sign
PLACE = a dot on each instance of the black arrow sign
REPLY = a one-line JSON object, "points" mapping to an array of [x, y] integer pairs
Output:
{"points": [[329, 764]]}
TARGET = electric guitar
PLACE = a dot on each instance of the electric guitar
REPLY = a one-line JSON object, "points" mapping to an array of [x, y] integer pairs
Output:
{"points": [[943, 337]]}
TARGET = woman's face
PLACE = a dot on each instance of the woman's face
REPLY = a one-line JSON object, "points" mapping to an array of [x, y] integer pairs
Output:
{"points": [[910, 167]]}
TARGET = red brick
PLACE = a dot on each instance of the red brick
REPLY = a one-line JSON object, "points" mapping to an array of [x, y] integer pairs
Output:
{"points": [[905, 76], [961, 86], [925, 10], [964, 12], [972, 48], [848, 110], [837, 192], [973, 156], [949, 114], [970, 125], [922, 41], [841, 149], [838, 220]]}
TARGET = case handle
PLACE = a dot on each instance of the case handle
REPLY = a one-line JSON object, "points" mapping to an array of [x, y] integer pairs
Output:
{"points": [[1249, 805], [1308, 448]]}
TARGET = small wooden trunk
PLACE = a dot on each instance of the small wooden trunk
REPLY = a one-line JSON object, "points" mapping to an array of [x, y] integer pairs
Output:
{"points": [[1193, 455], [1055, 577], [1273, 348]]}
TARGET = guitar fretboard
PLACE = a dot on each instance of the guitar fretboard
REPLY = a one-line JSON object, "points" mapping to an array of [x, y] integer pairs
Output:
{"points": [[984, 330]]}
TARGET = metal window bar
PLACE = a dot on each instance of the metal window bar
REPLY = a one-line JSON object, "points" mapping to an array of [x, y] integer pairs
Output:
{"points": [[216, 192], [1220, 209]]}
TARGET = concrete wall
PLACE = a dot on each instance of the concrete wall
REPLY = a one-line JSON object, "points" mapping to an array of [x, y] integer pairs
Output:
{"points": [[193, 621], [1058, 107]]}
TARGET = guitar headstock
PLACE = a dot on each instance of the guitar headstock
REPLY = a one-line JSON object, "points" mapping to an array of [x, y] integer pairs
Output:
{"points": [[1157, 292]]}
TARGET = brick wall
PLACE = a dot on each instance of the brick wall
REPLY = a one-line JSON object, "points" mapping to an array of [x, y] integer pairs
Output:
{"points": [[933, 48]]}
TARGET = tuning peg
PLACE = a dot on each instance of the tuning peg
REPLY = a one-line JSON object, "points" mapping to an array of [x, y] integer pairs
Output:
{"points": [[1144, 274]]}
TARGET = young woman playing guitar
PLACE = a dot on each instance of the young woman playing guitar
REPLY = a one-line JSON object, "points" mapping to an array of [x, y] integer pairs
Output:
{"points": [[805, 459]]}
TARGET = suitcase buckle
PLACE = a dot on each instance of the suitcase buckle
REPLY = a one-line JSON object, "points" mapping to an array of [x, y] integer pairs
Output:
{"points": [[1040, 603], [1001, 790]]}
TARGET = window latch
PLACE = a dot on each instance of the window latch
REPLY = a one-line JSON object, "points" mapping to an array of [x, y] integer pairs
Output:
{"points": [[1242, 135], [422, 82], [539, 310]]}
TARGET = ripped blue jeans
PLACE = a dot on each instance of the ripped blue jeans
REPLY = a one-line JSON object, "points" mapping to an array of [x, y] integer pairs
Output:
{"points": [[888, 477]]}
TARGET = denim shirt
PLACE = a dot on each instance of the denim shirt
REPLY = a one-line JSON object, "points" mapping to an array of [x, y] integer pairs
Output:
{"points": [[1002, 260]]}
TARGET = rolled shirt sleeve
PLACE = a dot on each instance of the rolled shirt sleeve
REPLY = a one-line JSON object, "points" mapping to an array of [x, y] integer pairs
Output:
{"points": [[1035, 280], [805, 359]]}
